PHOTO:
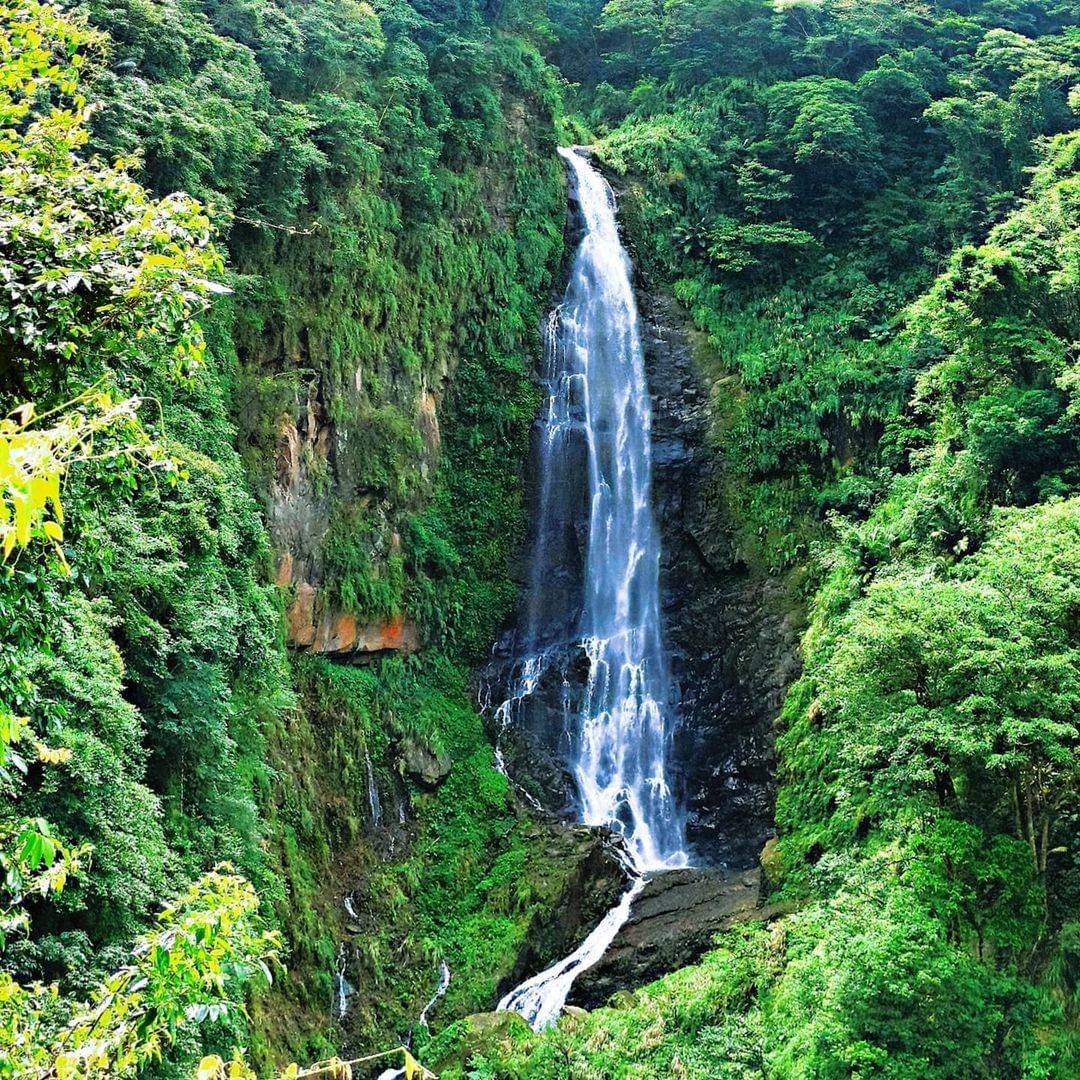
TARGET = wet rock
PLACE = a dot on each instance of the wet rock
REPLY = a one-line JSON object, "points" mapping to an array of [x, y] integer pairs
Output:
{"points": [[672, 924], [586, 877], [731, 644], [422, 763], [535, 746]]}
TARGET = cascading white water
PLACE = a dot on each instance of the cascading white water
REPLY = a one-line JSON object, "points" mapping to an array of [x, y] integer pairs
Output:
{"points": [[374, 803], [621, 761], [440, 992], [595, 377], [343, 990], [619, 734], [540, 999]]}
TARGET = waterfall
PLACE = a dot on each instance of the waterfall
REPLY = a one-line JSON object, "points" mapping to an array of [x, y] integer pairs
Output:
{"points": [[620, 729], [374, 804], [620, 765], [343, 990], [594, 374], [524, 686]]}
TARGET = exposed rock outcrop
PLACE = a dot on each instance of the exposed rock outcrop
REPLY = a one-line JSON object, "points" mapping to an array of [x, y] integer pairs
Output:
{"points": [[422, 763], [590, 871], [672, 924], [731, 645], [299, 513], [315, 625]]}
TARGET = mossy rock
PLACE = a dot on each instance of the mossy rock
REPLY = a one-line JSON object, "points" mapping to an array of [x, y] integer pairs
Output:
{"points": [[424, 764], [485, 1034], [772, 864]]}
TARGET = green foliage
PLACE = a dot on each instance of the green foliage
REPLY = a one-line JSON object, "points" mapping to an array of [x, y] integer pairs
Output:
{"points": [[469, 874], [193, 967], [396, 215], [392, 208], [101, 288], [871, 212], [818, 165], [111, 277], [459, 548]]}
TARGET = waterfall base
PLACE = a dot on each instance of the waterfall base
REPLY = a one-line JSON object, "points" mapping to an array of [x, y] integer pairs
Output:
{"points": [[540, 1000], [663, 922], [673, 922]]}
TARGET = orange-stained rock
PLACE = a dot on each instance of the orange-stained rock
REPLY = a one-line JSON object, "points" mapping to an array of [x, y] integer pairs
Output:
{"points": [[336, 633], [398, 635], [285, 569], [301, 616]]}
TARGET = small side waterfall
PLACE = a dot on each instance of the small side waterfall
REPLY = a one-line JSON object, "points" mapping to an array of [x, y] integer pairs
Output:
{"points": [[343, 990], [440, 992], [374, 803], [619, 728]]}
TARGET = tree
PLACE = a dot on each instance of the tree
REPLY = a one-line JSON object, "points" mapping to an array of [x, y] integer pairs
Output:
{"points": [[941, 686], [98, 280], [631, 29]]}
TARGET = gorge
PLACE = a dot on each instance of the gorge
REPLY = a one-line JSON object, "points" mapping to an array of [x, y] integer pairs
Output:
{"points": [[539, 539]]}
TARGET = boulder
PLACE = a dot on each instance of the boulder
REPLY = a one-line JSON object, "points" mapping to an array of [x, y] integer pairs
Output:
{"points": [[422, 763], [481, 1034], [673, 923]]}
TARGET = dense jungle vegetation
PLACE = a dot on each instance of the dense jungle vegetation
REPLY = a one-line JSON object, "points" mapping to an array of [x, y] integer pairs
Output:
{"points": [[383, 217], [871, 211]]}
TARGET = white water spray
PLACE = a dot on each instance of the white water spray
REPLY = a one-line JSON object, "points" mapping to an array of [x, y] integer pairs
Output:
{"points": [[620, 735], [374, 803]]}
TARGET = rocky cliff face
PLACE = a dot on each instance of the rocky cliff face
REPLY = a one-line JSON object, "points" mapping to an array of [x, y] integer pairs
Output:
{"points": [[733, 650], [299, 515]]}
